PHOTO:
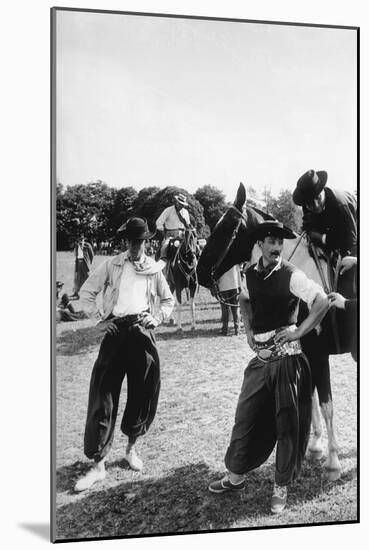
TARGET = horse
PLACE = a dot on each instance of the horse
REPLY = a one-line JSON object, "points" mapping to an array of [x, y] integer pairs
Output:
{"points": [[181, 272], [231, 243]]}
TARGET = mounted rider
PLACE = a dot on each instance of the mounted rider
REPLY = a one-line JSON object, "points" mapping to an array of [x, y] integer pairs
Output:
{"points": [[171, 225], [175, 219], [330, 221], [330, 216]]}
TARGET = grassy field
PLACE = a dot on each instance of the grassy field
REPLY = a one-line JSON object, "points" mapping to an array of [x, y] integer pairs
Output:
{"points": [[184, 449]]}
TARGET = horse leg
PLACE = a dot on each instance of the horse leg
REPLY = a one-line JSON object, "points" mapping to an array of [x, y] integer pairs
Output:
{"points": [[315, 447], [179, 313], [235, 314], [321, 371], [192, 305], [332, 463]]}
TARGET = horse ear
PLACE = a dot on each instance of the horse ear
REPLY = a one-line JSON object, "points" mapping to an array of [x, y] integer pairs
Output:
{"points": [[240, 197]]}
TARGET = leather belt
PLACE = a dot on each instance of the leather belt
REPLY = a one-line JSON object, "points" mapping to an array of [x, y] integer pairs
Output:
{"points": [[127, 320], [270, 350]]}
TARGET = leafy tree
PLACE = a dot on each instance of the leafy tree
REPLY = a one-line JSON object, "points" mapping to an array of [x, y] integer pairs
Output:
{"points": [[83, 209], [213, 202], [124, 200], [284, 209], [142, 205]]}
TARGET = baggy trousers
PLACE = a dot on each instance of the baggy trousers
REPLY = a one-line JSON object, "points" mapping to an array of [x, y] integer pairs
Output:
{"points": [[274, 406], [81, 273], [133, 352]]}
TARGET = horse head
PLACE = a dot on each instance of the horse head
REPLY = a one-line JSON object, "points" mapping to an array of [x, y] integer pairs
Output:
{"points": [[231, 241]]}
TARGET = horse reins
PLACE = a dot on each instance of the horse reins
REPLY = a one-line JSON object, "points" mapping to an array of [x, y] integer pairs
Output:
{"points": [[182, 261]]}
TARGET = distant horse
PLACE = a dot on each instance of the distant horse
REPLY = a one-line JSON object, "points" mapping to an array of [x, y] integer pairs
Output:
{"points": [[231, 243], [181, 271]]}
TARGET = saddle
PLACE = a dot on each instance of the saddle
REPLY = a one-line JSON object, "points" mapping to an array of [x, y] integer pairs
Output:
{"points": [[338, 334]]}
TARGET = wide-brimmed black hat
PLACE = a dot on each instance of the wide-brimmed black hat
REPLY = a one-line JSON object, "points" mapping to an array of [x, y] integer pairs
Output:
{"points": [[135, 229], [309, 186], [272, 228]]}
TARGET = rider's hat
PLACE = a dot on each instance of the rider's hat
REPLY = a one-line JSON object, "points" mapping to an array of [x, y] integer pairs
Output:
{"points": [[309, 186], [135, 229], [181, 199], [272, 228]]}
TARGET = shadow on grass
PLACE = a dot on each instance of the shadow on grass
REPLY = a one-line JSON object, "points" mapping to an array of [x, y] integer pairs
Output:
{"points": [[78, 341], [180, 502]]}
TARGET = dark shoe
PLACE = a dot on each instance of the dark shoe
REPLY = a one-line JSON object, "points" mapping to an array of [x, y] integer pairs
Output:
{"points": [[224, 331], [224, 485], [279, 499]]}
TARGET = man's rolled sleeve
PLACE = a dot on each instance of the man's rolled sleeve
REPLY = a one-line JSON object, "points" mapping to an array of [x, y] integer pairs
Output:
{"points": [[166, 297], [304, 288]]}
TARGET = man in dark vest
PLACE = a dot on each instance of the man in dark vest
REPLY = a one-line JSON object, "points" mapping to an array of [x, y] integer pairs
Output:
{"points": [[330, 216], [275, 401]]}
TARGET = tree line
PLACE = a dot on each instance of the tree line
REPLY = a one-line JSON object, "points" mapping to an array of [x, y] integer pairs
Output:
{"points": [[98, 210]]}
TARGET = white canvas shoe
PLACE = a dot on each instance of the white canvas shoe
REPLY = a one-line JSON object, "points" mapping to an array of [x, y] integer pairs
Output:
{"points": [[279, 499], [89, 479], [134, 461]]}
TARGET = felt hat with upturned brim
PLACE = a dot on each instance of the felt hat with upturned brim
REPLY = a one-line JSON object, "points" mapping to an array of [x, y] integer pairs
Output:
{"points": [[181, 199], [309, 186], [135, 229], [272, 228]]}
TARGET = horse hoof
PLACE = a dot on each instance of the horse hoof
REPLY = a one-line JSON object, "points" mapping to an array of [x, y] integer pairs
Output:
{"points": [[333, 474], [314, 454]]}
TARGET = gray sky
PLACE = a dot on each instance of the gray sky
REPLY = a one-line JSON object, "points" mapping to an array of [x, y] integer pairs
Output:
{"points": [[162, 101]]}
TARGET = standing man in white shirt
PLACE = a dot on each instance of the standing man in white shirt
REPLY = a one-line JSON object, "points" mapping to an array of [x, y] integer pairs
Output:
{"points": [[130, 283], [174, 219]]}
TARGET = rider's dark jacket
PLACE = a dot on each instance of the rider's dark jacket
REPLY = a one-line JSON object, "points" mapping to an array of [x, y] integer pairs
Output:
{"points": [[338, 221]]}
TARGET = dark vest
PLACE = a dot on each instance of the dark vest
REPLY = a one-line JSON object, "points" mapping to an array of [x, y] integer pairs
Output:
{"points": [[272, 303]]}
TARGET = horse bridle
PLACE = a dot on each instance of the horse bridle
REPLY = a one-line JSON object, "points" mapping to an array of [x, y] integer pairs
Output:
{"points": [[214, 282], [182, 261]]}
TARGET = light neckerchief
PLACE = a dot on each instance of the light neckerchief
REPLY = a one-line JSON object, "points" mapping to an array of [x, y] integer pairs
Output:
{"points": [[267, 271], [139, 265]]}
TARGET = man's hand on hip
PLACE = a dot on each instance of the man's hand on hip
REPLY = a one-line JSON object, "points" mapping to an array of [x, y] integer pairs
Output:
{"points": [[109, 327], [286, 335], [148, 321]]}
